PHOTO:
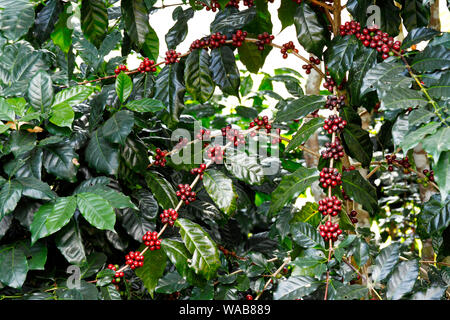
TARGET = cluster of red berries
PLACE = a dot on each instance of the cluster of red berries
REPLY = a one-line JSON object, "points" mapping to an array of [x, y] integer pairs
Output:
{"points": [[199, 170], [216, 154], [249, 3], [233, 3], [185, 193], [309, 66], [134, 259], [330, 177], [288, 47], [147, 66], [330, 206], [169, 216], [204, 134], [334, 123], [120, 68], [391, 159], [333, 150], [118, 274], [372, 37], [353, 215], [172, 56], [260, 123], [238, 38], [330, 231], [263, 39], [216, 40], [329, 84], [335, 102], [214, 5], [151, 240], [160, 158]]}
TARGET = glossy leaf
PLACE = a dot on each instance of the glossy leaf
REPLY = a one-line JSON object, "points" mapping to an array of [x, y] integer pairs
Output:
{"points": [[198, 77], [117, 128], [70, 243], [224, 70], [306, 236], [220, 188], [295, 287], [311, 32], [13, 266], [360, 190], [245, 168], [40, 91], [205, 256], [290, 186], [153, 269], [402, 279], [94, 20], [96, 210], [101, 155]]}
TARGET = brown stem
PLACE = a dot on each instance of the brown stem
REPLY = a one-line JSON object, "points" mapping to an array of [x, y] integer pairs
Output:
{"points": [[286, 261]]}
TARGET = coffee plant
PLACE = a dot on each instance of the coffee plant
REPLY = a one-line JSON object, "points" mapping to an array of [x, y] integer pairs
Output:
{"points": [[122, 183]]}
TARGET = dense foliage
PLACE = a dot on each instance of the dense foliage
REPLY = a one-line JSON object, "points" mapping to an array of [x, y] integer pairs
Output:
{"points": [[89, 153]]}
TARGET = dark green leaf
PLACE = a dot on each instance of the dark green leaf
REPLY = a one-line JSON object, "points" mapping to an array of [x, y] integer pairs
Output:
{"points": [[432, 58], [40, 91], [94, 20], [96, 210], [145, 105], [58, 161], [300, 107], [295, 287], [358, 143], [360, 190], [385, 262], [205, 256], [311, 32], [10, 194], [13, 265], [245, 168], [70, 243], [290, 186], [351, 292], [220, 188], [117, 128], [101, 155], [153, 269], [224, 70], [304, 133], [339, 56], [306, 236], [418, 35], [197, 75], [162, 190], [402, 280]]}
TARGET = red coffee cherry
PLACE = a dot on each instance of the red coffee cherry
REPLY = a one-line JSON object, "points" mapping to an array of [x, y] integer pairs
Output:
{"points": [[214, 5], [334, 102], [330, 206], [330, 177], [288, 47], [160, 158], [203, 134], [172, 57], [151, 240], [239, 38], [330, 231], [249, 297], [334, 123], [233, 3], [121, 68], [199, 171], [309, 66], [147, 66], [263, 39], [216, 40], [333, 150], [134, 259], [260, 123], [185, 193], [169, 216]]}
